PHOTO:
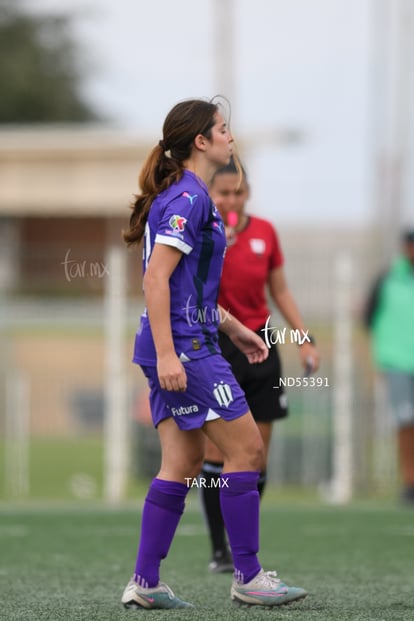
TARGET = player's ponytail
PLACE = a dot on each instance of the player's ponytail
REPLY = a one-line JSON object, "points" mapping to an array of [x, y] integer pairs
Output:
{"points": [[157, 174]]}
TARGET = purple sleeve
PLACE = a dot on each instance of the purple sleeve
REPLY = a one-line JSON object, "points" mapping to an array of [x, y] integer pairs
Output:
{"points": [[181, 222]]}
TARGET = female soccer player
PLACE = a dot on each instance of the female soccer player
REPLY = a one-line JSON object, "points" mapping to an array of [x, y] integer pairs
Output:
{"points": [[193, 392], [253, 265]]}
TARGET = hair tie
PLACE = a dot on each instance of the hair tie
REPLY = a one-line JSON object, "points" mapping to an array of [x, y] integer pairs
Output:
{"points": [[162, 144]]}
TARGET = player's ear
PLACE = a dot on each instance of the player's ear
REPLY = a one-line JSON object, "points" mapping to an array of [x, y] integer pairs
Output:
{"points": [[200, 142]]}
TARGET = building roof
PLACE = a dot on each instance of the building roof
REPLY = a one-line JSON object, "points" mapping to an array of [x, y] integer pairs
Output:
{"points": [[68, 170]]}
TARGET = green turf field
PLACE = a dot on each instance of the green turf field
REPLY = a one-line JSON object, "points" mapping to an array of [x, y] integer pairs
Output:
{"points": [[72, 563]]}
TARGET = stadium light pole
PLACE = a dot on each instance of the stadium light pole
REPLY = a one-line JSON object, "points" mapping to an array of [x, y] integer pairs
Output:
{"points": [[225, 80], [224, 49], [393, 100]]}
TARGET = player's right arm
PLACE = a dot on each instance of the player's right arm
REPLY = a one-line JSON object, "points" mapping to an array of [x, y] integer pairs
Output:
{"points": [[162, 263]]}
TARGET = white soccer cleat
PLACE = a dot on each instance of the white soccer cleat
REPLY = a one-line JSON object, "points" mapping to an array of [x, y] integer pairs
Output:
{"points": [[160, 596], [265, 589]]}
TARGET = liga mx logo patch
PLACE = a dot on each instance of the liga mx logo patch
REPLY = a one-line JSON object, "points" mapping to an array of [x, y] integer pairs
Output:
{"points": [[223, 394], [177, 223]]}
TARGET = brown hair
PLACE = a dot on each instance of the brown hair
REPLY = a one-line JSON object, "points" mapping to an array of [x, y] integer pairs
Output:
{"points": [[234, 167], [164, 164]]}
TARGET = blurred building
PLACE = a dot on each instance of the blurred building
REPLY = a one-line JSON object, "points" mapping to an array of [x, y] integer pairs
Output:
{"points": [[64, 196]]}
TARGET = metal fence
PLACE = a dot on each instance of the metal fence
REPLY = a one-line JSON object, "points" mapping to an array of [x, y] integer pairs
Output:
{"points": [[74, 417]]}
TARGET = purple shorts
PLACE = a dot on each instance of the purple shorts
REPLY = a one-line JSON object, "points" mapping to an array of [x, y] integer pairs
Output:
{"points": [[212, 392]]}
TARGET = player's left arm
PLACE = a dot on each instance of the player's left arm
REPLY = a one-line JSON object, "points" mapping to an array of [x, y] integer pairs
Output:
{"points": [[162, 263], [285, 302], [249, 343]]}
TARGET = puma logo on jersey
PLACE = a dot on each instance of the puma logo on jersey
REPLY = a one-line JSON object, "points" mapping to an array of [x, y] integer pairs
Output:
{"points": [[190, 198]]}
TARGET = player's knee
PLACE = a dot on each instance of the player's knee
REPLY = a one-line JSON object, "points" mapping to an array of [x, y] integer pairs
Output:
{"points": [[257, 454], [250, 456], [181, 466], [194, 463]]}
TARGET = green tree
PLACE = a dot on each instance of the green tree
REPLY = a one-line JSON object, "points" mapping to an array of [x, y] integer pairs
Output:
{"points": [[40, 75]]}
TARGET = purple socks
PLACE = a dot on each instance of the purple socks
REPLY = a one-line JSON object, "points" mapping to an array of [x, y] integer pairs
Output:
{"points": [[239, 500], [162, 511]]}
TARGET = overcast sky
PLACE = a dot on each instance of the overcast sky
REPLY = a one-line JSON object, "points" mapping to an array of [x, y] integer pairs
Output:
{"points": [[305, 65]]}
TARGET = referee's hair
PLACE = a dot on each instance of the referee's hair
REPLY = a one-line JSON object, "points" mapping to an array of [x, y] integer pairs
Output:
{"points": [[234, 167]]}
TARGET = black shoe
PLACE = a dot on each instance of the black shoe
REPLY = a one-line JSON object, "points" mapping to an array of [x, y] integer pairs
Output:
{"points": [[221, 563]]}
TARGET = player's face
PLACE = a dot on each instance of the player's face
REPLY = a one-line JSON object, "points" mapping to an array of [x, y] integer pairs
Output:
{"points": [[220, 149], [229, 194]]}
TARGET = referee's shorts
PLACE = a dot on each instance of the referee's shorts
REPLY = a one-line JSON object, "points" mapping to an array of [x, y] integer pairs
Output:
{"points": [[260, 382]]}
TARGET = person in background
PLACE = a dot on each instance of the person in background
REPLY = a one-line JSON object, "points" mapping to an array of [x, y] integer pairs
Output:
{"points": [[389, 316], [253, 267], [193, 393]]}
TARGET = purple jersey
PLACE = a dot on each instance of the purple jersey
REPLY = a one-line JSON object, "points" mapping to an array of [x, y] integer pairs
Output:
{"points": [[184, 216]]}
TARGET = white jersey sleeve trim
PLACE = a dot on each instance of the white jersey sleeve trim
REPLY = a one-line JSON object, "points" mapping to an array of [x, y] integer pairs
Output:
{"points": [[173, 241]]}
